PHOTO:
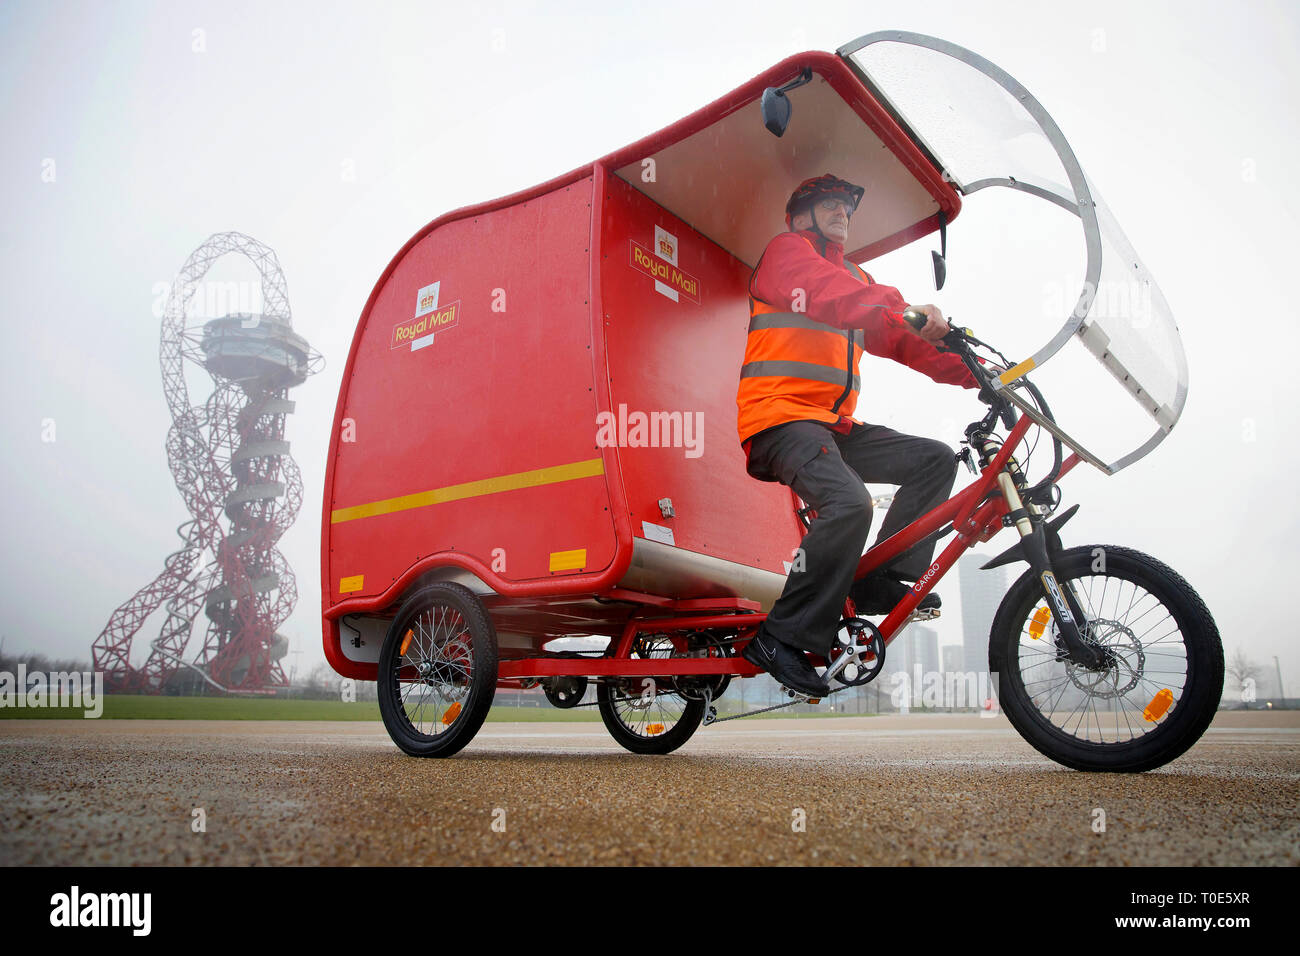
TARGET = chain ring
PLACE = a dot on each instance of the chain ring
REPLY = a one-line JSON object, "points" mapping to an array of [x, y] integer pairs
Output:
{"points": [[863, 637]]}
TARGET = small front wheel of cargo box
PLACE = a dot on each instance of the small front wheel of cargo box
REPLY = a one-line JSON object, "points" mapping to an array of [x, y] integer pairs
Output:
{"points": [[437, 671], [647, 715]]}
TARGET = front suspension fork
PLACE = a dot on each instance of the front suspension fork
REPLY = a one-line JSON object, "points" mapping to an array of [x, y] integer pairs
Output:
{"points": [[1062, 601]]}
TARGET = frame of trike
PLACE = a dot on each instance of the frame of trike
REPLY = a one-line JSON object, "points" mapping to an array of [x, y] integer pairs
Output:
{"points": [[1106, 659]]}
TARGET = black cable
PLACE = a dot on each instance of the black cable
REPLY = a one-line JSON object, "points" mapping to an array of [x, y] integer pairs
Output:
{"points": [[960, 345], [1057, 454]]}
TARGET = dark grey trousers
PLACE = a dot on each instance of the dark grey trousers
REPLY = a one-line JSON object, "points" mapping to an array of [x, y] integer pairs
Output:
{"points": [[827, 470]]}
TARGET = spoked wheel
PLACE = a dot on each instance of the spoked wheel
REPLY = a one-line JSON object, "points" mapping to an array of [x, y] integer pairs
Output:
{"points": [[1161, 680], [648, 715], [437, 671]]}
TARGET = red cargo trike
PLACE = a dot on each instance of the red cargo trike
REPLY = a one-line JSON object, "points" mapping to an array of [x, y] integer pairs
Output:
{"points": [[535, 435]]}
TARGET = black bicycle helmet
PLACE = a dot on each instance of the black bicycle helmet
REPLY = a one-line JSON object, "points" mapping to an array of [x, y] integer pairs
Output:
{"points": [[810, 191]]}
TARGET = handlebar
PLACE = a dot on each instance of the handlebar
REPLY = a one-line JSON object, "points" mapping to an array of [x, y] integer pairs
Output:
{"points": [[957, 340]]}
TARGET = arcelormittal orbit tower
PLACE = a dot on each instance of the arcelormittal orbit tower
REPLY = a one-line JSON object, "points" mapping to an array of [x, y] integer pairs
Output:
{"points": [[231, 463]]}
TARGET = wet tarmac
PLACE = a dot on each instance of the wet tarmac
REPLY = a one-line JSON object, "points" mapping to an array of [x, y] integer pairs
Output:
{"points": [[874, 790]]}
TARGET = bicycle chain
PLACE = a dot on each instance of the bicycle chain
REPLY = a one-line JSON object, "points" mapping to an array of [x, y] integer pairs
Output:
{"points": [[749, 713], [764, 710]]}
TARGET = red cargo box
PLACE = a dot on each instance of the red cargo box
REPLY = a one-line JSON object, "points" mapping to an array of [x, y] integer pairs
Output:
{"points": [[540, 397]]}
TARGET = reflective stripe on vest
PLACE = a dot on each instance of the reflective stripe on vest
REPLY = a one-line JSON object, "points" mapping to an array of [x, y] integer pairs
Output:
{"points": [[793, 320], [818, 373], [797, 368]]}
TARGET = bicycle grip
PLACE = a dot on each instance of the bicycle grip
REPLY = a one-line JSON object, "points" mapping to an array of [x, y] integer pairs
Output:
{"points": [[914, 318]]}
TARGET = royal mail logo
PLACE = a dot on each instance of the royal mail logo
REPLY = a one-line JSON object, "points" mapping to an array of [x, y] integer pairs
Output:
{"points": [[670, 281], [419, 331], [426, 300], [665, 245]]}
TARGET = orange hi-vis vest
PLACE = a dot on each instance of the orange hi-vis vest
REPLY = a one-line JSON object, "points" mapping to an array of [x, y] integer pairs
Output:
{"points": [[796, 368]]}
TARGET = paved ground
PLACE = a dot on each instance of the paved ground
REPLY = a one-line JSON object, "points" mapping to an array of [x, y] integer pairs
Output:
{"points": [[881, 790]]}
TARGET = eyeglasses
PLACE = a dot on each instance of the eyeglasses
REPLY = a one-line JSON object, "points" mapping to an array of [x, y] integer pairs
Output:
{"points": [[830, 204]]}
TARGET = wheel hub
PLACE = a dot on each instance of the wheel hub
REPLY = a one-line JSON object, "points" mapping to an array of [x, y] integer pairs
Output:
{"points": [[1122, 661], [447, 679]]}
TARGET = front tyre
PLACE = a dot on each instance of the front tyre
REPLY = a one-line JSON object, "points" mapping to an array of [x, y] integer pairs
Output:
{"points": [[437, 671], [1162, 679]]}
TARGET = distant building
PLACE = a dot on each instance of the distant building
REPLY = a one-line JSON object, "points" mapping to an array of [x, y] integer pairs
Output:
{"points": [[917, 646], [925, 644], [981, 593], [898, 656], [953, 658]]}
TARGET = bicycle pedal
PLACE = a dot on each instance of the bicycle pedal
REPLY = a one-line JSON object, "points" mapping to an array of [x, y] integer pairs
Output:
{"points": [[925, 614], [801, 697]]}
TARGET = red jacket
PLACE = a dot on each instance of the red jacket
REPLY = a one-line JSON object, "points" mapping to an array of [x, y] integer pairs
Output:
{"points": [[831, 295]]}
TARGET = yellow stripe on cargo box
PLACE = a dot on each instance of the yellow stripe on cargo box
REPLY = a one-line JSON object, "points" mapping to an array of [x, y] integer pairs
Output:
{"points": [[472, 489]]}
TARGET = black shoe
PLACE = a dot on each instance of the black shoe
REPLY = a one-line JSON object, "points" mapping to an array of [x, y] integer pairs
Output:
{"points": [[787, 664], [878, 593]]}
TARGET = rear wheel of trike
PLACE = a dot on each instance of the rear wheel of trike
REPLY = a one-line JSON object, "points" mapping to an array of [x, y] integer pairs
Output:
{"points": [[437, 671], [647, 715], [1164, 676]]}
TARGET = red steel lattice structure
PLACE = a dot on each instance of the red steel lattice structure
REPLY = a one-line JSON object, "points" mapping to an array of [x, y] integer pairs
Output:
{"points": [[231, 461]]}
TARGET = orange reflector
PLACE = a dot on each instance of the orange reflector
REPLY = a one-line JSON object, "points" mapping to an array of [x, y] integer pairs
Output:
{"points": [[406, 642], [452, 713], [1159, 704], [654, 729], [569, 560], [1039, 623]]}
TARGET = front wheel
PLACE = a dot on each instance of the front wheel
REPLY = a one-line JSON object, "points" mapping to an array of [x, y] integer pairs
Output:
{"points": [[1163, 666]]}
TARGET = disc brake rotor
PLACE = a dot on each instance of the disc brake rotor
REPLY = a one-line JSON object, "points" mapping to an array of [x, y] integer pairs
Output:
{"points": [[1125, 660]]}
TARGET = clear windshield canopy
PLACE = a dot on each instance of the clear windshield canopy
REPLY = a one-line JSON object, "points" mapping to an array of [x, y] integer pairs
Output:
{"points": [[984, 130]]}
